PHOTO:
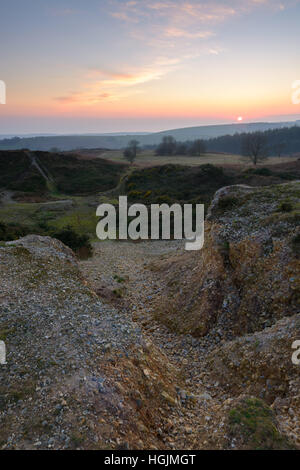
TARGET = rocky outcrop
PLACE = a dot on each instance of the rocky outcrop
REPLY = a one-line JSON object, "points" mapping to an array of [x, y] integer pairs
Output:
{"points": [[78, 373], [247, 276], [240, 297], [261, 365]]}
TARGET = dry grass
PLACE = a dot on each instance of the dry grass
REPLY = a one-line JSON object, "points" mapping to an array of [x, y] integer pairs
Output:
{"points": [[148, 158]]}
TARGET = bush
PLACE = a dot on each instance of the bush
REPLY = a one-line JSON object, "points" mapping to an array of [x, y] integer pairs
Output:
{"points": [[10, 232], [263, 172], [286, 176], [285, 207], [164, 199], [227, 202], [135, 194], [296, 244], [80, 244], [253, 423]]}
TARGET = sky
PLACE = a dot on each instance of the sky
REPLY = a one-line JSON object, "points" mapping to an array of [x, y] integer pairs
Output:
{"points": [[77, 66]]}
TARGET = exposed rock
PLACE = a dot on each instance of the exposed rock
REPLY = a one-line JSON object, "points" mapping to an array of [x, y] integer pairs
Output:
{"points": [[247, 276], [62, 387]]}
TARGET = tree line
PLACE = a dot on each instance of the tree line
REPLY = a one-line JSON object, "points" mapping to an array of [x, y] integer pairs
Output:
{"points": [[277, 142], [255, 146], [168, 147]]}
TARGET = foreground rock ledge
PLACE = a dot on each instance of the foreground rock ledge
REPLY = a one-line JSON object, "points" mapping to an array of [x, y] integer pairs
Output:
{"points": [[78, 373]]}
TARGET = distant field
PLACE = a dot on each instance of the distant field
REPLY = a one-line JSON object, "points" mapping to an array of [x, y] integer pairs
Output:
{"points": [[148, 158]]}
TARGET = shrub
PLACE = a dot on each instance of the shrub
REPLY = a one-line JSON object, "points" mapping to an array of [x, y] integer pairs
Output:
{"points": [[286, 176], [263, 172], [135, 194], [253, 423], [285, 207], [80, 244], [227, 202], [164, 199], [12, 231], [296, 244]]}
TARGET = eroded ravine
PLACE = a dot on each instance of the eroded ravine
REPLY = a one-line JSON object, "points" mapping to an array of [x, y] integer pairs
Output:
{"points": [[121, 273]]}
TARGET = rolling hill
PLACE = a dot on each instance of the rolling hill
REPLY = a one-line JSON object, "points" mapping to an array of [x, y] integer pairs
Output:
{"points": [[113, 141]]}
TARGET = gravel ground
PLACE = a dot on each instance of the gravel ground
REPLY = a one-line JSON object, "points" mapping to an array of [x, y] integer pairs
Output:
{"points": [[79, 372], [122, 268]]}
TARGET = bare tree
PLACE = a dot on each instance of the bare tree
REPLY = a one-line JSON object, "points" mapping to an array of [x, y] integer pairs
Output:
{"points": [[254, 146], [130, 153]]}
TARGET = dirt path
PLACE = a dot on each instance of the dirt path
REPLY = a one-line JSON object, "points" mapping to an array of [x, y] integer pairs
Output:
{"points": [[119, 272]]}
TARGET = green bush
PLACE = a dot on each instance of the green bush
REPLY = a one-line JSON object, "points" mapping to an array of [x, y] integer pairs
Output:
{"points": [[253, 422], [296, 244], [263, 172], [80, 244], [10, 232], [285, 206], [227, 202], [135, 194], [286, 176], [164, 199]]}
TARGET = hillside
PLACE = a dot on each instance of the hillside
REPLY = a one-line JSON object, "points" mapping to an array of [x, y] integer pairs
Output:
{"points": [[76, 142], [208, 132], [146, 346], [44, 193], [181, 183], [38, 172]]}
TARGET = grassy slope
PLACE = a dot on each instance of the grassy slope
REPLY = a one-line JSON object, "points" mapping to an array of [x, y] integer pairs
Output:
{"points": [[69, 173], [148, 158]]}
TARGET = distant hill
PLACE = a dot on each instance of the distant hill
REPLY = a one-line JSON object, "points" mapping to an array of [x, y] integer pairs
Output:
{"points": [[113, 141], [208, 132]]}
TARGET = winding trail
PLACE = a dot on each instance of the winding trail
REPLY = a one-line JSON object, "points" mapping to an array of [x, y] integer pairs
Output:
{"points": [[35, 163]]}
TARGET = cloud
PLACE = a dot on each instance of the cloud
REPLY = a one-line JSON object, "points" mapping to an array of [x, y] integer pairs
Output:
{"points": [[184, 25], [214, 51], [103, 85], [174, 31], [65, 99], [190, 12], [169, 25], [180, 33], [83, 97], [175, 11]]}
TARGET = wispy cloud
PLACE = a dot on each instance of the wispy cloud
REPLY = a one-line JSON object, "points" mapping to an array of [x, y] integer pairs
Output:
{"points": [[175, 25], [102, 85], [181, 33], [184, 25], [82, 98], [190, 12], [173, 31]]}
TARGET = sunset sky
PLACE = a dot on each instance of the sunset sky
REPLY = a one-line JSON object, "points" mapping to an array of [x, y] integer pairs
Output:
{"points": [[114, 65]]}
